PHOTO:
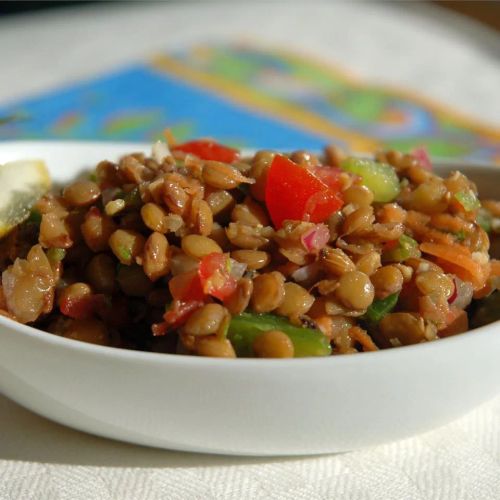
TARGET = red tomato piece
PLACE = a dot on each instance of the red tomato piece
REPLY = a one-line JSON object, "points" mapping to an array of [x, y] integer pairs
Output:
{"points": [[296, 193], [209, 150], [215, 275], [186, 287]]}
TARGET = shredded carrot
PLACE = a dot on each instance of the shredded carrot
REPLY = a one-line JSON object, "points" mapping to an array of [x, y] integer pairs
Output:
{"points": [[458, 260]]}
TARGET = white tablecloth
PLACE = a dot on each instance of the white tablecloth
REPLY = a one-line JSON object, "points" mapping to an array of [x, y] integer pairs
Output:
{"points": [[393, 44], [40, 460]]}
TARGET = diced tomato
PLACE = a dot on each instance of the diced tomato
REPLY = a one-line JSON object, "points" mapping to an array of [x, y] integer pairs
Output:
{"points": [[179, 312], [186, 287], [208, 150], [215, 275], [83, 307], [175, 316], [296, 193]]}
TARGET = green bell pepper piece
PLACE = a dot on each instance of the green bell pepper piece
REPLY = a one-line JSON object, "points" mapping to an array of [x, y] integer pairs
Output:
{"points": [[380, 308], [246, 327]]}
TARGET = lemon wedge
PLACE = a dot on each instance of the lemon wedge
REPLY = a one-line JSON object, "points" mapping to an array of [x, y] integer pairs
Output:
{"points": [[22, 183]]}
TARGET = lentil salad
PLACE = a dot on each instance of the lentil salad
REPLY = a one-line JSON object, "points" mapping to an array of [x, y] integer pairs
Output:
{"points": [[198, 250]]}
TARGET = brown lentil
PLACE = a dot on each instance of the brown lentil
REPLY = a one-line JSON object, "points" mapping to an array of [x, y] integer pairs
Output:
{"points": [[156, 257], [53, 232], [369, 263], [239, 300], [214, 347], [101, 273], [206, 320], [223, 176], [268, 292], [336, 261], [355, 290], [273, 344], [82, 193], [97, 229], [127, 245], [198, 246], [359, 220], [254, 259], [260, 166], [387, 280], [358, 195], [297, 301], [133, 282], [433, 282], [154, 217]]}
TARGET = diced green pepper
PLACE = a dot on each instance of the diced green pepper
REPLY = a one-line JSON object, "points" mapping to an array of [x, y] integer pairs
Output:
{"points": [[380, 178], [380, 308], [407, 247], [468, 200], [246, 327]]}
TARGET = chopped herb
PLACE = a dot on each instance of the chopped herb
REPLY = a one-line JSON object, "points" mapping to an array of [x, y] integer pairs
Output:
{"points": [[468, 200], [460, 235], [93, 177]]}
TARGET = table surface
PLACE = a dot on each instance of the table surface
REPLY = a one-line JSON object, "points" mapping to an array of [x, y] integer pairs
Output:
{"points": [[388, 44]]}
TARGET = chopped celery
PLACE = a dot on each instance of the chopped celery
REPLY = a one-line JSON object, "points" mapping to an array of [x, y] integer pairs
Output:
{"points": [[380, 308], [246, 327], [406, 247], [380, 178], [468, 200]]}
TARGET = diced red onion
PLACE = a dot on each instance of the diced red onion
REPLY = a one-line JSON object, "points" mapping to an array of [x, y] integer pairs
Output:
{"points": [[315, 238], [462, 295], [422, 156]]}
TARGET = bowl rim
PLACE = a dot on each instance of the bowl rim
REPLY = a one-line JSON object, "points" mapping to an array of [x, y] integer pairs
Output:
{"points": [[244, 363]]}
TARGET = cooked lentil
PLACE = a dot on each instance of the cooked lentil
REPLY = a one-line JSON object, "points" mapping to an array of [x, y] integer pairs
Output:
{"points": [[181, 245]]}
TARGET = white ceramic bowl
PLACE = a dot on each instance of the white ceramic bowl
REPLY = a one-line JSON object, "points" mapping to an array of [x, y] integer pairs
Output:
{"points": [[242, 406]]}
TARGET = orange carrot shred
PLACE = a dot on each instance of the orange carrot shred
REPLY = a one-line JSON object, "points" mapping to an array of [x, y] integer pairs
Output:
{"points": [[458, 260]]}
